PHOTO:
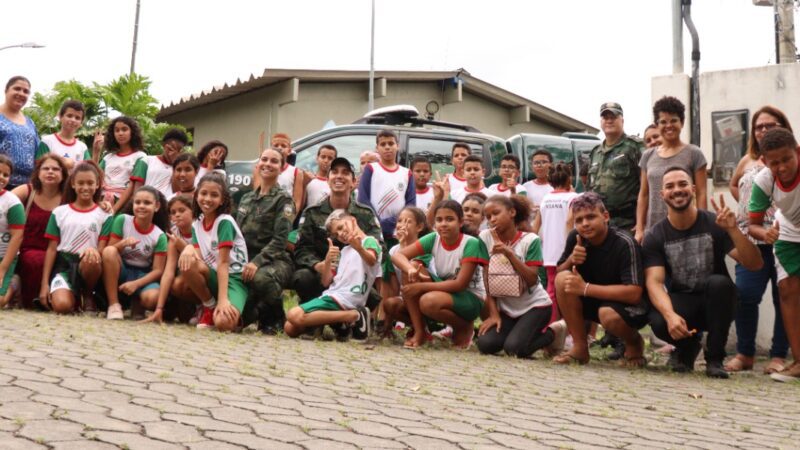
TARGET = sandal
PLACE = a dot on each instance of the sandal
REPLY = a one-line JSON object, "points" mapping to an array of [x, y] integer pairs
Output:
{"points": [[566, 358], [738, 364], [775, 365]]}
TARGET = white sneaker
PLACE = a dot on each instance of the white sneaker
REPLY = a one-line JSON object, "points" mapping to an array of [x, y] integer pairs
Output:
{"points": [[115, 312], [444, 333], [559, 328]]}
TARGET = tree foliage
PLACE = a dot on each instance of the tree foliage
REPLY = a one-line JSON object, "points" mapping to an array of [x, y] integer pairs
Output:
{"points": [[127, 95]]}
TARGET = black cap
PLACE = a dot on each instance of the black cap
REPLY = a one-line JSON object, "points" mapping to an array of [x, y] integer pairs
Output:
{"points": [[341, 161], [614, 107]]}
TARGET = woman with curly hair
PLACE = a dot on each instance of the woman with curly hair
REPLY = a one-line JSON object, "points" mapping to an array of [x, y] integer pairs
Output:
{"points": [[669, 115]]}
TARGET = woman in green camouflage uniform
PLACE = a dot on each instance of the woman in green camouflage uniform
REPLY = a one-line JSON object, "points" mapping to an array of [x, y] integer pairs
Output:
{"points": [[265, 216]]}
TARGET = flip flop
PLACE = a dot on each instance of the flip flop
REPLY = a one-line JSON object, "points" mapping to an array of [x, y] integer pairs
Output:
{"points": [[737, 364], [774, 366]]}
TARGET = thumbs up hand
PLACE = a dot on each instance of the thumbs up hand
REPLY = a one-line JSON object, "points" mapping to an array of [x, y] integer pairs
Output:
{"points": [[332, 257], [574, 284], [773, 233], [578, 255]]}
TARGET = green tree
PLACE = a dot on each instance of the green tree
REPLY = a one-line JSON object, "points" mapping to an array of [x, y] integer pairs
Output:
{"points": [[127, 95]]}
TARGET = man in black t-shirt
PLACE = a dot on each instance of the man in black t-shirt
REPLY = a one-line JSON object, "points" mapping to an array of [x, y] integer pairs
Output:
{"points": [[686, 277], [600, 279]]}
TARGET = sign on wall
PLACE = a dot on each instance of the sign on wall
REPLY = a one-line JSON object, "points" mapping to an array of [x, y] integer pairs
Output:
{"points": [[730, 143]]}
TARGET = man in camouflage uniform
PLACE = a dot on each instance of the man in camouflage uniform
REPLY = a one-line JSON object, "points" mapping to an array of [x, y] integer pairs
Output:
{"points": [[614, 168], [614, 174], [265, 219], [312, 239]]}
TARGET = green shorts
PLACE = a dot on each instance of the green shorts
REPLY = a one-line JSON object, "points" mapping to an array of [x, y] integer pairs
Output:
{"points": [[237, 291], [467, 305], [8, 276], [323, 303]]}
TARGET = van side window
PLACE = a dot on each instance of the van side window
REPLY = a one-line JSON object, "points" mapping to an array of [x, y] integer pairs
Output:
{"points": [[350, 147], [438, 151]]}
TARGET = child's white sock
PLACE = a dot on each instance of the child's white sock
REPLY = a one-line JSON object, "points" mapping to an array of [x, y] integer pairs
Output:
{"points": [[210, 303]]}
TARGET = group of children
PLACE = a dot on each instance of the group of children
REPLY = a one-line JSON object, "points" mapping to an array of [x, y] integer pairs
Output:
{"points": [[156, 232]]}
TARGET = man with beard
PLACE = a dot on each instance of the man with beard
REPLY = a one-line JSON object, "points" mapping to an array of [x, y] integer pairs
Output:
{"points": [[600, 279], [689, 248]]}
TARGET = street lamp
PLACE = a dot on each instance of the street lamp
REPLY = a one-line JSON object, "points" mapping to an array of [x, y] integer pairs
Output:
{"points": [[24, 45]]}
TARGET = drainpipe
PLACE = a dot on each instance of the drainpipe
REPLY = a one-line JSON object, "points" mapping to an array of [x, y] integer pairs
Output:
{"points": [[677, 37], [695, 82]]}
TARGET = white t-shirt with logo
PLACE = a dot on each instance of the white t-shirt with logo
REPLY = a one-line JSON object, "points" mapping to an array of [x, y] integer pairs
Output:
{"points": [[222, 233], [75, 151], [528, 248], [387, 189], [350, 287], [152, 241], [12, 217], [448, 261], [316, 190], [78, 229], [118, 169], [554, 210], [153, 171]]}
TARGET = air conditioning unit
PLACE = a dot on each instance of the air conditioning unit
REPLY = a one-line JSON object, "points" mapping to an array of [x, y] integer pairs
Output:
{"points": [[763, 2]]}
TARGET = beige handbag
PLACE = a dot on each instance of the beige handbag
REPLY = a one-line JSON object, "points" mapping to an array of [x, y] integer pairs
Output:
{"points": [[504, 281]]}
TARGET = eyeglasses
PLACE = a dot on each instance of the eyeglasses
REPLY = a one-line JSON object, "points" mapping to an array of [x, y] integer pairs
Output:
{"points": [[664, 122], [539, 163], [766, 126], [509, 166]]}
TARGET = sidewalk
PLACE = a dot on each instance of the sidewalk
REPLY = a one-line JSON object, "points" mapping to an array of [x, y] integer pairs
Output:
{"points": [[87, 383]]}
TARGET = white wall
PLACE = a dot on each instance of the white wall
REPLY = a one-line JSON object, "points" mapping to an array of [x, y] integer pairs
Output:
{"points": [[776, 85]]}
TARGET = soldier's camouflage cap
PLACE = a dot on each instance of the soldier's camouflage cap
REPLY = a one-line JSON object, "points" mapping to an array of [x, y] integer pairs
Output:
{"points": [[614, 107], [341, 161]]}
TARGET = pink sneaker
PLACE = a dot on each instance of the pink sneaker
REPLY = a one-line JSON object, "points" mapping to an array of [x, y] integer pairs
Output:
{"points": [[206, 318]]}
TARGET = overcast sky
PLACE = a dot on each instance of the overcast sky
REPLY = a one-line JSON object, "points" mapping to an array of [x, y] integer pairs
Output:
{"points": [[568, 55]]}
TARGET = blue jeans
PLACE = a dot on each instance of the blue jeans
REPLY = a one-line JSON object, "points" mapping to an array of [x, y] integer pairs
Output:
{"points": [[751, 285]]}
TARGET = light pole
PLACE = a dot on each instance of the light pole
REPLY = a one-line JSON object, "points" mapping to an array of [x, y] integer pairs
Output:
{"points": [[371, 98], [135, 36], [24, 45]]}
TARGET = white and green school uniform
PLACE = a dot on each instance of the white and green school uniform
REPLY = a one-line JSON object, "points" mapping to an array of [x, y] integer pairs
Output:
{"points": [[316, 190], [528, 248], [75, 230], [118, 168], [137, 261], [447, 261], [460, 194], [392, 270], [208, 240], [351, 283], [12, 217], [766, 191], [152, 170], [501, 189], [52, 143]]}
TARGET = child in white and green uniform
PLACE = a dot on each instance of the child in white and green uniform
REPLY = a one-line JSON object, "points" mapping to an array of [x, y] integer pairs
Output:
{"points": [[349, 281], [12, 225], [779, 184], [456, 294]]}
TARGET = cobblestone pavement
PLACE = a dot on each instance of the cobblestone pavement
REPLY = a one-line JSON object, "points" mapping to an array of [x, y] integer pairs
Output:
{"points": [[86, 383]]}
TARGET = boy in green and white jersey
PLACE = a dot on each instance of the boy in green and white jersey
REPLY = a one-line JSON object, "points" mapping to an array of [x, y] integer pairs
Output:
{"points": [[344, 302], [779, 184]]}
